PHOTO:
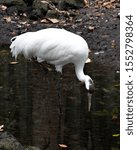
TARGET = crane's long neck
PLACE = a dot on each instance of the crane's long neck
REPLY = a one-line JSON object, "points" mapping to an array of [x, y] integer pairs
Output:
{"points": [[84, 78], [79, 72]]}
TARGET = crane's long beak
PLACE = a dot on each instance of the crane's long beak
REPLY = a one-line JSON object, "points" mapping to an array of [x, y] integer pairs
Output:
{"points": [[89, 95]]}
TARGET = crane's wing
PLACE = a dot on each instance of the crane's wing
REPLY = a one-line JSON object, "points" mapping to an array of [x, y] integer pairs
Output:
{"points": [[52, 45]]}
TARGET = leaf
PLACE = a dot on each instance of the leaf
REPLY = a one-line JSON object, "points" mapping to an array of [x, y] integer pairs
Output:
{"points": [[44, 21], [44, 2], [116, 135], [53, 20], [91, 28], [1, 128], [7, 19], [24, 14], [23, 22], [100, 52], [2, 7], [113, 44], [106, 3], [114, 117], [13, 62], [86, 3], [63, 145]]}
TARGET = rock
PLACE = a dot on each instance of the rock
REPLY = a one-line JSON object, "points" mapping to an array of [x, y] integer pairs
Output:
{"points": [[55, 2], [13, 2], [67, 4], [70, 4], [52, 14], [17, 6], [8, 142], [28, 2], [40, 9], [39, 4]]}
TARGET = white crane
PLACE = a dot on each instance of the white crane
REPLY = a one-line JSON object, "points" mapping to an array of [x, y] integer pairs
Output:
{"points": [[55, 46]]}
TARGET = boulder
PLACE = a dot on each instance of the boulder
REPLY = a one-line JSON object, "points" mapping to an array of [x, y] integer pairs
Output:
{"points": [[13, 2], [52, 14], [8, 142], [70, 4], [40, 9]]}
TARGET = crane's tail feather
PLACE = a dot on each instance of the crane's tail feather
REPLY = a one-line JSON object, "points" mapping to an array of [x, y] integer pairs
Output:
{"points": [[14, 47], [13, 39]]}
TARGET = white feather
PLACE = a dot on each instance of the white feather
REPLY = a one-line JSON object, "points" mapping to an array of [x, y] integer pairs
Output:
{"points": [[56, 46]]}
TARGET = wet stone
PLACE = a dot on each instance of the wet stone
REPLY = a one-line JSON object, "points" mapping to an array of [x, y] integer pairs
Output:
{"points": [[8, 142]]}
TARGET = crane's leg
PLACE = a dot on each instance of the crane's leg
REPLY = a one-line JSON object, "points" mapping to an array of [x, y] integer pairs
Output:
{"points": [[59, 78], [59, 89]]}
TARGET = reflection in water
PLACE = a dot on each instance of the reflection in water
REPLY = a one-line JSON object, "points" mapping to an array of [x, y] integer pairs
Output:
{"points": [[46, 110]]}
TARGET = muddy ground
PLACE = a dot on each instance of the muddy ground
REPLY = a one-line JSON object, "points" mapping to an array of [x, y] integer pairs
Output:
{"points": [[99, 24]]}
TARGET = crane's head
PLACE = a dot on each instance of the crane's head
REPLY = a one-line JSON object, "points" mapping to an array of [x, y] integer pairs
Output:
{"points": [[89, 84]]}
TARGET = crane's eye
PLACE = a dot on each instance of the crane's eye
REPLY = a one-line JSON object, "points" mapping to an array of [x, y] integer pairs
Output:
{"points": [[91, 82], [13, 39]]}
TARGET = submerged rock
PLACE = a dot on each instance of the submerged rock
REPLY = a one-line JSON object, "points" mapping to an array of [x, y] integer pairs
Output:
{"points": [[8, 142]]}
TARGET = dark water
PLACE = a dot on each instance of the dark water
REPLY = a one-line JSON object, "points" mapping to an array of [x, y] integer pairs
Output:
{"points": [[46, 110]]}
